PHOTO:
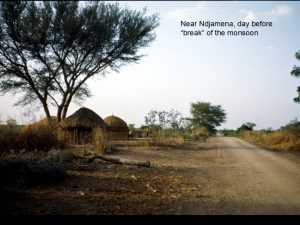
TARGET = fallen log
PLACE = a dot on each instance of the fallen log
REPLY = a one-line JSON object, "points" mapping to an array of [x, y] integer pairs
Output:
{"points": [[120, 161]]}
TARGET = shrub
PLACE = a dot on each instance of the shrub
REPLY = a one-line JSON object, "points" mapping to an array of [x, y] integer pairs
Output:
{"points": [[30, 168], [163, 138], [8, 137], [281, 139], [159, 138], [230, 133], [293, 126], [200, 133]]}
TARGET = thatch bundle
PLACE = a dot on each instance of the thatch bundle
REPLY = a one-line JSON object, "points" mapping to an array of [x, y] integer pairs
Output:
{"points": [[78, 128], [115, 123], [117, 127], [83, 118]]}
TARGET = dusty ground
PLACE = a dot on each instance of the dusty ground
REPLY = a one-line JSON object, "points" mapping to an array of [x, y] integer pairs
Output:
{"points": [[223, 176]]}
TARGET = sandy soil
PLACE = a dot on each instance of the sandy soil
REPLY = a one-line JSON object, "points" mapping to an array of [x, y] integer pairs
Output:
{"points": [[223, 176]]}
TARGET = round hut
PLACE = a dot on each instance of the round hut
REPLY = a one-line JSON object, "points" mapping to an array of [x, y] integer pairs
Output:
{"points": [[118, 129], [78, 128]]}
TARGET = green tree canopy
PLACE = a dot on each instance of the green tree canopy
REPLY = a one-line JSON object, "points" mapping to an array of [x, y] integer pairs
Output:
{"points": [[164, 119], [48, 50], [247, 126], [207, 115], [296, 72]]}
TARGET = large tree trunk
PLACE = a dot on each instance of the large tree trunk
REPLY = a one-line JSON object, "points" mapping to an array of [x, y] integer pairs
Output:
{"points": [[47, 112], [66, 107], [59, 111], [61, 107]]}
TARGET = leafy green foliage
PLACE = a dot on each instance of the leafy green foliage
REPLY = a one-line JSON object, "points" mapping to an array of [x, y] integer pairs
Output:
{"points": [[158, 120], [296, 73], [247, 126], [293, 126], [229, 132], [164, 127], [206, 115]]}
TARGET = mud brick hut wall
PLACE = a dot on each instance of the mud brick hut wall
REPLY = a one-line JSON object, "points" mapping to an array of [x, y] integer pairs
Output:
{"points": [[117, 128], [78, 128]]}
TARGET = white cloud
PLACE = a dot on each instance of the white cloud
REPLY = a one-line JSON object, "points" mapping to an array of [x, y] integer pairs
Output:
{"points": [[279, 11], [188, 13], [282, 10], [250, 16], [243, 11], [271, 48]]}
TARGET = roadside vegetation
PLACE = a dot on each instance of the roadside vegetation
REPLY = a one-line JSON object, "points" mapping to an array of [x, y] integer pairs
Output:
{"points": [[285, 138], [172, 129]]}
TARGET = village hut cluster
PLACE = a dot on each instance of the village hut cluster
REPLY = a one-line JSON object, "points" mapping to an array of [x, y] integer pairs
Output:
{"points": [[79, 127]]}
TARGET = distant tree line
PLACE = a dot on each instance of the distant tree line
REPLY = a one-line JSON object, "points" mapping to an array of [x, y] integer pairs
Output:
{"points": [[202, 123]]}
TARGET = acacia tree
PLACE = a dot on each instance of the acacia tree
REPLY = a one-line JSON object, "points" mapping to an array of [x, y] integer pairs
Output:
{"points": [[48, 50], [296, 72], [206, 115]]}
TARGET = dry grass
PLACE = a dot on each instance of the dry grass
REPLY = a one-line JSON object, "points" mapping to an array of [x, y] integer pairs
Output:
{"points": [[200, 133], [101, 139], [161, 138], [37, 136], [280, 139]]}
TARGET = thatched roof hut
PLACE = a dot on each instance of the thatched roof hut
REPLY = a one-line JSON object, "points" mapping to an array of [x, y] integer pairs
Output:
{"points": [[118, 129], [78, 128]]}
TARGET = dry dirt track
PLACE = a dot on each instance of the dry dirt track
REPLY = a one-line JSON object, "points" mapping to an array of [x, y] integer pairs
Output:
{"points": [[230, 176], [265, 182]]}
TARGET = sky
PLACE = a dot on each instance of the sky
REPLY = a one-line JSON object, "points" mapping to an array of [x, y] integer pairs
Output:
{"points": [[249, 76]]}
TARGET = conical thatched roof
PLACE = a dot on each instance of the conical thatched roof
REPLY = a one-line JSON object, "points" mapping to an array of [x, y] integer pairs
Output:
{"points": [[82, 118], [114, 122]]}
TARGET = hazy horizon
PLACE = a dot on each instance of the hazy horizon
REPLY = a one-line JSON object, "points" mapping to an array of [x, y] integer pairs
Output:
{"points": [[248, 76]]}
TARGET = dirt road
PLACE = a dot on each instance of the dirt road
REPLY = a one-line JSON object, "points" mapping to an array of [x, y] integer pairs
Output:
{"points": [[225, 175], [230, 176], [252, 180]]}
